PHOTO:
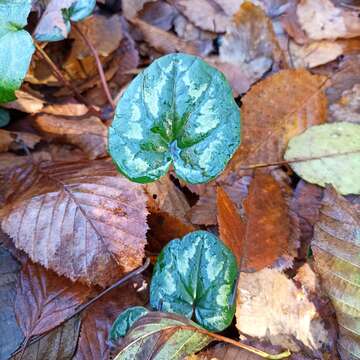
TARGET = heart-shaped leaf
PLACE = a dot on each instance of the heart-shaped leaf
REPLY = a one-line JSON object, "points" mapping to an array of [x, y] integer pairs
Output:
{"points": [[178, 111], [333, 153], [16, 46], [196, 274]]}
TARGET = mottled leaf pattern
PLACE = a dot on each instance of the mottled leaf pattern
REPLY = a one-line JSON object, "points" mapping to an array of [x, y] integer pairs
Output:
{"points": [[159, 336], [82, 220], [196, 275], [336, 149], [16, 46], [178, 111], [336, 248]]}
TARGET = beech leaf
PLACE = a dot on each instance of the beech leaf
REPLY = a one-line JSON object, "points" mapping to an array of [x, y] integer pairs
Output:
{"points": [[82, 220], [178, 111], [159, 336], [195, 276], [16, 46], [336, 251], [333, 151]]}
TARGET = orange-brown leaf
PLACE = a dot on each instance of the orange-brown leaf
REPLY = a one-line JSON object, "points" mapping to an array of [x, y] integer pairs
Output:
{"points": [[264, 235], [82, 220]]}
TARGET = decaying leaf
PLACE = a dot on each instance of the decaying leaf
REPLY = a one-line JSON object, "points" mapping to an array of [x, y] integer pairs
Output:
{"points": [[333, 153], [271, 307], [69, 108], [250, 42], [25, 102], [58, 344], [45, 300], [12, 140], [11, 335], [89, 134], [130, 8], [160, 335], [82, 220], [97, 320], [271, 117], [322, 19], [336, 252], [263, 235]]}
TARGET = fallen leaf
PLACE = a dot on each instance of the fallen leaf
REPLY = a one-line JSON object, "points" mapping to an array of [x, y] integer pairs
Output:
{"points": [[159, 14], [333, 153], [25, 102], [161, 335], [336, 253], [89, 134], [94, 218], [163, 41], [226, 352], [250, 42], [58, 344], [270, 117], [263, 236], [98, 319], [130, 8], [348, 107], [68, 108], [12, 335], [45, 300], [12, 140], [103, 32], [271, 307], [323, 20]]}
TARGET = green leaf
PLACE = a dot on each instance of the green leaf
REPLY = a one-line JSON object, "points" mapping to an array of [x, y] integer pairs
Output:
{"points": [[196, 275], [4, 117], [336, 247], [124, 322], [179, 111], [16, 46], [159, 336], [54, 24], [335, 153]]}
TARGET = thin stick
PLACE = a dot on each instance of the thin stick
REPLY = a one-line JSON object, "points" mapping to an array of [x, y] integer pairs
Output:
{"points": [[58, 74], [286, 162], [120, 282], [238, 344], [98, 64]]}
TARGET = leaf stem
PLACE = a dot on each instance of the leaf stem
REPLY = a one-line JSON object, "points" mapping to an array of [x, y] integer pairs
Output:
{"points": [[58, 74], [98, 64], [238, 344]]}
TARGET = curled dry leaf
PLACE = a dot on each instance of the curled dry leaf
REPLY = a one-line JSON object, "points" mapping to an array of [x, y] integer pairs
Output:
{"points": [[98, 319], [82, 220], [271, 117], [264, 234], [69, 108], [25, 102], [58, 344], [11, 335], [336, 252], [271, 307], [45, 300], [89, 134], [250, 42], [322, 19]]}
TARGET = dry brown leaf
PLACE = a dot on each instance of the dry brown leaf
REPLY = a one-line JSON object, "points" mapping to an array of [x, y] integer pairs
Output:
{"points": [[82, 220], [162, 41], [103, 32], [271, 307], [12, 140], [321, 52], [69, 108], [45, 300], [336, 251], [97, 320], [159, 14], [250, 42], [321, 19], [264, 235], [89, 134], [25, 102], [270, 117], [348, 107], [130, 8]]}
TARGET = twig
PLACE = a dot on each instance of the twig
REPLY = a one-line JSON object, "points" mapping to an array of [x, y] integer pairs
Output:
{"points": [[83, 307], [238, 344], [98, 64], [58, 74]]}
